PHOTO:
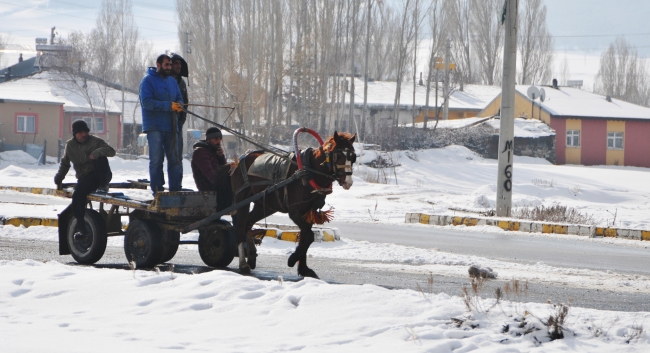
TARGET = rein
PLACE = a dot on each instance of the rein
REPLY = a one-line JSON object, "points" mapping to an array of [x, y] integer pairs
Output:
{"points": [[267, 148]]}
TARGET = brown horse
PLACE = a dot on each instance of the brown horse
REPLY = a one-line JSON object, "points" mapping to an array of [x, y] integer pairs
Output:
{"points": [[332, 161]]}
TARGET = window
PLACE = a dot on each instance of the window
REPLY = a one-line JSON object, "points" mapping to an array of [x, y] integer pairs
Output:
{"points": [[26, 124], [96, 125], [573, 138], [615, 140]]}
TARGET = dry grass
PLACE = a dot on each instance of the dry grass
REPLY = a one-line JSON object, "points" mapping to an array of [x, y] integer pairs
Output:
{"points": [[373, 176], [555, 213], [428, 293], [556, 321], [470, 296]]}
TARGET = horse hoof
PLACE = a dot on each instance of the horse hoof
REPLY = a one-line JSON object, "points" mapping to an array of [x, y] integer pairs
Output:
{"points": [[293, 258], [245, 270], [308, 273], [252, 261]]}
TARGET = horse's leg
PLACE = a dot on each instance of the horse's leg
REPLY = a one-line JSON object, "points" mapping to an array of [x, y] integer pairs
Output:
{"points": [[300, 255], [240, 232], [259, 212]]}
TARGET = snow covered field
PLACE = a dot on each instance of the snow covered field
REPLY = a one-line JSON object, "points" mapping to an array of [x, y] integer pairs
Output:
{"points": [[75, 308]]}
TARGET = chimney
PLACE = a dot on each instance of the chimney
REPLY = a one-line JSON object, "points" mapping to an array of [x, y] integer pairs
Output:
{"points": [[555, 83]]}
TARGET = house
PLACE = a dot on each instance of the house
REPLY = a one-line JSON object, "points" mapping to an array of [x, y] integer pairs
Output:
{"points": [[591, 129], [381, 97], [42, 107]]}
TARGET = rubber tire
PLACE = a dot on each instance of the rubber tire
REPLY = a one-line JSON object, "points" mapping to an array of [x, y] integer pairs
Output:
{"points": [[83, 254], [216, 245], [143, 243], [171, 239]]}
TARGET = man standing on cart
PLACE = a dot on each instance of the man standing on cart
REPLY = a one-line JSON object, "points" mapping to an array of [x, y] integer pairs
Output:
{"points": [[180, 70], [161, 100], [88, 154], [210, 169]]}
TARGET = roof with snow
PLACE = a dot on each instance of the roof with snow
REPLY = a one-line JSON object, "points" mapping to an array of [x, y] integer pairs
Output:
{"points": [[382, 93], [574, 102], [53, 87]]}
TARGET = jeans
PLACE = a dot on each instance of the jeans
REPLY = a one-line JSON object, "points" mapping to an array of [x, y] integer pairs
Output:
{"points": [[160, 145], [87, 184]]}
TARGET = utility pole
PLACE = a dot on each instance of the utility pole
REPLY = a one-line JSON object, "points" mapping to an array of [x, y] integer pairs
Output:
{"points": [[365, 74], [445, 111], [507, 119], [351, 119]]}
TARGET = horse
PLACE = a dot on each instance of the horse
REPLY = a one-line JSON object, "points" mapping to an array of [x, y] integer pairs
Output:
{"points": [[333, 160]]}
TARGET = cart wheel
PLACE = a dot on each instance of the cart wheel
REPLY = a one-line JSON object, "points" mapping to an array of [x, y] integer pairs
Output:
{"points": [[216, 246], [171, 239], [143, 243], [90, 249]]}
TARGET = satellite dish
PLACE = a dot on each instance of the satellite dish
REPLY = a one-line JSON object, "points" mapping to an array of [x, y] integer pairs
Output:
{"points": [[542, 94], [533, 92]]}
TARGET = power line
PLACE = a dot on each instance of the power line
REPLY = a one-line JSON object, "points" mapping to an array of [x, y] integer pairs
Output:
{"points": [[94, 8], [75, 16]]}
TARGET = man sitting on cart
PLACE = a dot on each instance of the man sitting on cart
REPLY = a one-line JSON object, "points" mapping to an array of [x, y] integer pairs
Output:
{"points": [[88, 154], [210, 170]]}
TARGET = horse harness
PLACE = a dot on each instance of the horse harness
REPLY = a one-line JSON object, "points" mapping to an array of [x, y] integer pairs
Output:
{"points": [[335, 170]]}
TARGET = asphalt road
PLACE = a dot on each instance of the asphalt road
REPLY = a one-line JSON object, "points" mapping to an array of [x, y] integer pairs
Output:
{"points": [[571, 253], [354, 273]]}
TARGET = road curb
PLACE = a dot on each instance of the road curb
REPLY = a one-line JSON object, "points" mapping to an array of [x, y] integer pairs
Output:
{"points": [[278, 231], [529, 226], [289, 232], [30, 221]]}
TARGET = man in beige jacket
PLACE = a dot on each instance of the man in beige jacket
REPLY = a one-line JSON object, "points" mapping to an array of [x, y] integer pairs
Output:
{"points": [[88, 155]]}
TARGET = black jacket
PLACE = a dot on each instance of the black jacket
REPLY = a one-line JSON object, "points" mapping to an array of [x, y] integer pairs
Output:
{"points": [[182, 116]]}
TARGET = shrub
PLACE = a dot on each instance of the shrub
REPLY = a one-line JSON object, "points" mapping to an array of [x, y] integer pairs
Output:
{"points": [[555, 213]]}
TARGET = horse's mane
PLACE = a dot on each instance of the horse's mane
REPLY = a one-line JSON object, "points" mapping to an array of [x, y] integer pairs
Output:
{"points": [[329, 145]]}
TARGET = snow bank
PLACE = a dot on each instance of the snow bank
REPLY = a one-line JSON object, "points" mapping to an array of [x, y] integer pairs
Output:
{"points": [[115, 310], [17, 157]]}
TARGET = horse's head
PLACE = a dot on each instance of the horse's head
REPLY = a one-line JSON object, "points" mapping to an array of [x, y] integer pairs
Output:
{"points": [[341, 153]]}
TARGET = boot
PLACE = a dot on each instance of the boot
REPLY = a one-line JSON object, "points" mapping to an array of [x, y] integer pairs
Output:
{"points": [[103, 188]]}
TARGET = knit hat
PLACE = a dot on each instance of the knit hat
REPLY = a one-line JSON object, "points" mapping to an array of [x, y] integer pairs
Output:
{"points": [[212, 133], [79, 126]]}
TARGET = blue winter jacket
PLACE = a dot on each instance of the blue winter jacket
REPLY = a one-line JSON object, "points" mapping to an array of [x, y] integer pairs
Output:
{"points": [[156, 96]]}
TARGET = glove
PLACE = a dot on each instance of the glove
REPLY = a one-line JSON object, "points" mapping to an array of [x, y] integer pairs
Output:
{"points": [[177, 107], [58, 180]]}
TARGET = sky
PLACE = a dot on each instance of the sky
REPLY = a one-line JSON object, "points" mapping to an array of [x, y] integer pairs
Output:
{"points": [[112, 309], [582, 28]]}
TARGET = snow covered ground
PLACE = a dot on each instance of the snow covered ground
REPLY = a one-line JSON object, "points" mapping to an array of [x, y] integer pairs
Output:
{"points": [[75, 308]]}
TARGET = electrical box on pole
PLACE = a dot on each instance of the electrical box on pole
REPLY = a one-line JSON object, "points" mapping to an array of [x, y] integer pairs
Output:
{"points": [[507, 118]]}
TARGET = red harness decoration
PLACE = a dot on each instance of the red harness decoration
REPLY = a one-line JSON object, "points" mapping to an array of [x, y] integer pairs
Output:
{"points": [[312, 182]]}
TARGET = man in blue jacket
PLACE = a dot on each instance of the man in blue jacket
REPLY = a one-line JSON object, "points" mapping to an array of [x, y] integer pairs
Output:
{"points": [[161, 99]]}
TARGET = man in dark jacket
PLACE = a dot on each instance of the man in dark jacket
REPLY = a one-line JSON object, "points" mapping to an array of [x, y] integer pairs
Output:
{"points": [[210, 169], [180, 70], [88, 155], [161, 100]]}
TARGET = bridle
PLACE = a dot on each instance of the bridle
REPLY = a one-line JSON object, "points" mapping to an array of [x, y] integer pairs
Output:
{"points": [[341, 171], [336, 171]]}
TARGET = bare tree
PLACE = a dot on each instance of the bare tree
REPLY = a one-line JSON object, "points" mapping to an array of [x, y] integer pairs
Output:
{"points": [[459, 13], [405, 36], [535, 44], [488, 39], [623, 75], [437, 23], [5, 40], [564, 70]]}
